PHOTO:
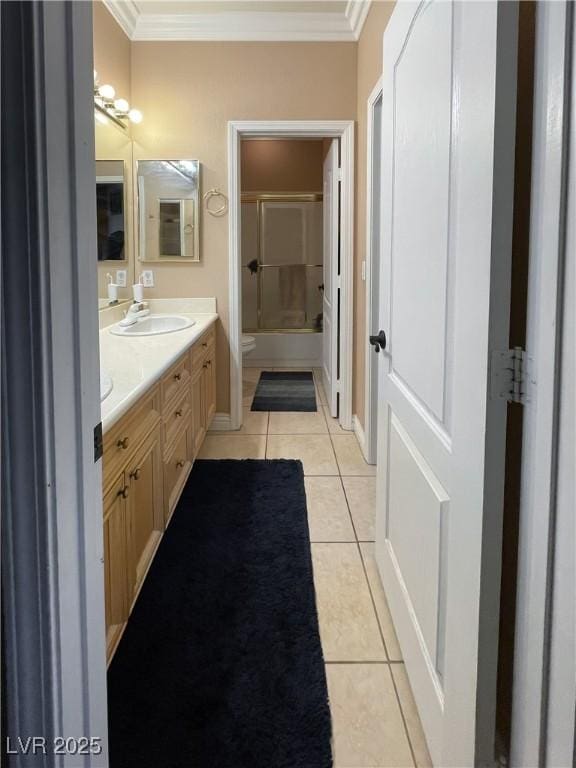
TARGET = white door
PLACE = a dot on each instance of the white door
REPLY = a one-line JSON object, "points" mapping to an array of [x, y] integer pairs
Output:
{"points": [[448, 151], [373, 246], [331, 266]]}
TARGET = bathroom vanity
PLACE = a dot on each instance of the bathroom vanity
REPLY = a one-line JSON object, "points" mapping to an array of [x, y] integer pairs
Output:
{"points": [[154, 422]]}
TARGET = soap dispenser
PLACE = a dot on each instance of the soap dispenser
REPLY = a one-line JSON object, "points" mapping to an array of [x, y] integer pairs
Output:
{"points": [[138, 291], [112, 290]]}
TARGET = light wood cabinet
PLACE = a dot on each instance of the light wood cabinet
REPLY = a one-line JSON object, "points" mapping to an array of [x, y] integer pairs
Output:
{"points": [[198, 409], [210, 389], [176, 470], [115, 563], [148, 455], [144, 512]]}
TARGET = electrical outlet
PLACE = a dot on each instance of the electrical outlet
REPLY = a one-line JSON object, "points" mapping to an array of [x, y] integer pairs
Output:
{"points": [[121, 278], [148, 278]]}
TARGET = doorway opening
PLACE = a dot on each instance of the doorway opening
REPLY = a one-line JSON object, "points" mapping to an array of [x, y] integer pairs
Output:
{"points": [[279, 284], [282, 251]]}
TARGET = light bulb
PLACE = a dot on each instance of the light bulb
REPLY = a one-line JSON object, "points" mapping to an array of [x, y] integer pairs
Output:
{"points": [[135, 115], [107, 92], [121, 105]]}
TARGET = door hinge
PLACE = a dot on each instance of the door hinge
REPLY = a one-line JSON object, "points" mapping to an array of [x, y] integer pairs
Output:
{"points": [[339, 174], [98, 442], [509, 375]]}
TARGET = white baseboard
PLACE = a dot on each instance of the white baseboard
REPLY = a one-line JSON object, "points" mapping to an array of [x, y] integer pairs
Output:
{"points": [[249, 362], [222, 422], [360, 436]]}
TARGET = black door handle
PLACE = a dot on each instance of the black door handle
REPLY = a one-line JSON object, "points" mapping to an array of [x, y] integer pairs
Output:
{"points": [[379, 341]]}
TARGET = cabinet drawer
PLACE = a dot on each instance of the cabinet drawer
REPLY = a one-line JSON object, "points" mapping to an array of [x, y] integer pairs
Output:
{"points": [[203, 346], [175, 381], [124, 438], [176, 469], [176, 418]]}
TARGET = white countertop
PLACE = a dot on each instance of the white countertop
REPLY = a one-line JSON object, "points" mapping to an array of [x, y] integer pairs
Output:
{"points": [[135, 364]]}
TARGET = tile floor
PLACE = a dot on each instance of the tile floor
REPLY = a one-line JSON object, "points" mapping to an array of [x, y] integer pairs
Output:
{"points": [[375, 722]]}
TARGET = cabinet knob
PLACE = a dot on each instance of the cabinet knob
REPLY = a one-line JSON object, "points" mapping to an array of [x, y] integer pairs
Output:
{"points": [[178, 412], [209, 362], [179, 463], [123, 443], [177, 376], [124, 492], [204, 343], [135, 474], [205, 365]]}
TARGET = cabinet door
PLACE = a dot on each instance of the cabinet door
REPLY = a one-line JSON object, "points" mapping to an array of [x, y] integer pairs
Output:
{"points": [[176, 470], [115, 563], [198, 410], [145, 508], [210, 389]]}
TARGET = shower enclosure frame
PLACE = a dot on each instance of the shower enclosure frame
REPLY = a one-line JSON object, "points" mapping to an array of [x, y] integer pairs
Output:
{"points": [[272, 197], [343, 130]]}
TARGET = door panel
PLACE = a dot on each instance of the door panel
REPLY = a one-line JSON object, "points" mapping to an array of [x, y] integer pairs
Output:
{"points": [[417, 528], [419, 260], [331, 298], [447, 189]]}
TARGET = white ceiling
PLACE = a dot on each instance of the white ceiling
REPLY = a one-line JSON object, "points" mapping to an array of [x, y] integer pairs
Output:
{"points": [[256, 20]]}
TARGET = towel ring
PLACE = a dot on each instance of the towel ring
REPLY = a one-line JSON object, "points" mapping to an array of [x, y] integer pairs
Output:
{"points": [[216, 211]]}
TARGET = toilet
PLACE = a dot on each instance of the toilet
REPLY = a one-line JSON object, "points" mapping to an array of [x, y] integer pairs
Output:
{"points": [[248, 344]]}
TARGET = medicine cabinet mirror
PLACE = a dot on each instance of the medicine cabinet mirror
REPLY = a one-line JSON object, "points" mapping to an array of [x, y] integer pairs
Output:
{"points": [[168, 210]]}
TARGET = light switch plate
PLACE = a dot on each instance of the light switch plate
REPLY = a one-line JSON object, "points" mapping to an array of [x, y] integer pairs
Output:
{"points": [[121, 278], [148, 278]]}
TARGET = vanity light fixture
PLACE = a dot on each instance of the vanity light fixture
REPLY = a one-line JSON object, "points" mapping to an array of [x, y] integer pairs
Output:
{"points": [[106, 105]]}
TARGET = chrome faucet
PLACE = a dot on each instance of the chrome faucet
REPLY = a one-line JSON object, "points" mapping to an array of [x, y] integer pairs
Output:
{"points": [[135, 313]]}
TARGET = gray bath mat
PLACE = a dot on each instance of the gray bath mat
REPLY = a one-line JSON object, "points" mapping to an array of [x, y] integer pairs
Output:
{"points": [[285, 391]]}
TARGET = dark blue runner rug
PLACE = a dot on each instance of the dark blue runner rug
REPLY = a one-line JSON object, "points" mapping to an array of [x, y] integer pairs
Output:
{"points": [[285, 391], [221, 665]]}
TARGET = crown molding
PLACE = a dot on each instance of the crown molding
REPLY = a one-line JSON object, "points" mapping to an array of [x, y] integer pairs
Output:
{"points": [[356, 13], [126, 14], [249, 26], [255, 26]]}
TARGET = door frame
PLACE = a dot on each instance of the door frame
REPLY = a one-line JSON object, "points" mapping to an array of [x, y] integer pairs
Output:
{"points": [[52, 542], [535, 701], [370, 427], [290, 129]]}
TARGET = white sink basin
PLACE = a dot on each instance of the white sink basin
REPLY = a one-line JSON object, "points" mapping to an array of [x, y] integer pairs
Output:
{"points": [[106, 385], [153, 325]]}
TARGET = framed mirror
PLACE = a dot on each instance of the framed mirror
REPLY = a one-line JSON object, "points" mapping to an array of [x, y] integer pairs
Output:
{"points": [[114, 211], [168, 218]]}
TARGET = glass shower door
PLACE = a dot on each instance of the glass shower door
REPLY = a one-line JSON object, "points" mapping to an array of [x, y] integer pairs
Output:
{"points": [[284, 238]]}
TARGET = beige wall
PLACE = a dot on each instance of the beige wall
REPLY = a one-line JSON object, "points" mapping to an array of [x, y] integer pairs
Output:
{"points": [[282, 165], [189, 91], [111, 52], [369, 70], [112, 62]]}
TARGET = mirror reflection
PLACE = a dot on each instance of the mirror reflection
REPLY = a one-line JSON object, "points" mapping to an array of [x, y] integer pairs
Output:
{"points": [[168, 221], [110, 210], [114, 212]]}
